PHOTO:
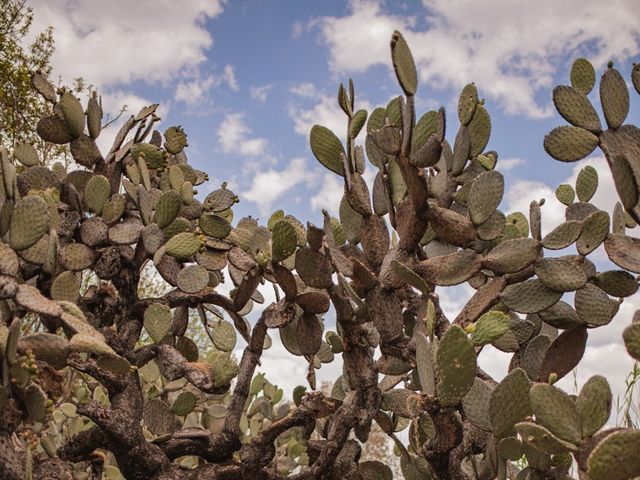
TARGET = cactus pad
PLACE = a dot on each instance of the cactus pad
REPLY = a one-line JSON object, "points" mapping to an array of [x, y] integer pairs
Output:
{"points": [[563, 235], [593, 305], [616, 457], [569, 143], [614, 97], [583, 75], [594, 405], [555, 410], [157, 321], [183, 245], [326, 147], [510, 403], [403, 64], [29, 222], [576, 108], [455, 366], [96, 193], [192, 279], [485, 196]]}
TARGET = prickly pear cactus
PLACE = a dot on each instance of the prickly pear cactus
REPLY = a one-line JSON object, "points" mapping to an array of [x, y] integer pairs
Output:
{"points": [[93, 362]]}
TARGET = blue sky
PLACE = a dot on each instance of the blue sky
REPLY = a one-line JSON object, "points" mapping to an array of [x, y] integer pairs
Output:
{"points": [[248, 79]]}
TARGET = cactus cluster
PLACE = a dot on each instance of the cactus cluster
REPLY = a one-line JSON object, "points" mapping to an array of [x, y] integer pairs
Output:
{"points": [[91, 365]]}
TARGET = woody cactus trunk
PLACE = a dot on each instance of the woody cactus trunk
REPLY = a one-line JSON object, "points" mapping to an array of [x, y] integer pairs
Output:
{"points": [[101, 381]]}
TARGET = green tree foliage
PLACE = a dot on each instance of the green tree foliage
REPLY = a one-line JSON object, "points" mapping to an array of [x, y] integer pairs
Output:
{"points": [[107, 380], [20, 107]]}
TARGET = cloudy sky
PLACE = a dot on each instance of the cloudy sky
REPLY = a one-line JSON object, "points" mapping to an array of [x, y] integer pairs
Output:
{"points": [[247, 80]]}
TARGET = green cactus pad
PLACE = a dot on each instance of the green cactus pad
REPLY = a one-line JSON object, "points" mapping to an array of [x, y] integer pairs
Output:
{"points": [[617, 283], [425, 354], [560, 274], [426, 126], [489, 327], [576, 108], [555, 410], [214, 225], [96, 193], [485, 196], [351, 221], [357, 122], [569, 143], [192, 279], [29, 222], [403, 64], [73, 113], [183, 245], [616, 457], [284, 241], [476, 405], [157, 321], [114, 208], [635, 77], [530, 296], [593, 305], [467, 103], [586, 183], [175, 140], [631, 336], [479, 130], [184, 404], [167, 208], [26, 154], [614, 97], [510, 403], [326, 147], [223, 335], [455, 366], [542, 439], [563, 235], [154, 157], [512, 255], [583, 75], [565, 194], [94, 116], [594, 405], [594, 231]]}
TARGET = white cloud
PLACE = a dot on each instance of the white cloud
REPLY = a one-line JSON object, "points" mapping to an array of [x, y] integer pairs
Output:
{"points": [[121, 41], [509, 163], [511, 50], [193, 91], [233, 137], [261, 92], [230, 78], [269, 185], [305, 89], [329, 194]]}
